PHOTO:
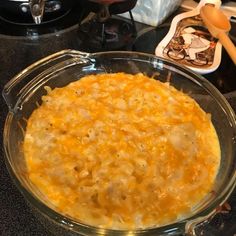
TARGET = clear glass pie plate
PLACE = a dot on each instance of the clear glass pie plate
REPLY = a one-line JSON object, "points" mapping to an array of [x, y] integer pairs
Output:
{"points": [[23, 94]]}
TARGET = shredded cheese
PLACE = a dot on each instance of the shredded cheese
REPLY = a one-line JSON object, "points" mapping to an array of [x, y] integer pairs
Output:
{"points": [[121, 151]]}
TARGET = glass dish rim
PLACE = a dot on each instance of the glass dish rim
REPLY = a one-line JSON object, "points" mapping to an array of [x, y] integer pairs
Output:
{"points": [[66, 221]]}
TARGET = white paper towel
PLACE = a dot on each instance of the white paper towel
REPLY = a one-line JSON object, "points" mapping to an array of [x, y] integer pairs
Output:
{"points": [[153, 12]]}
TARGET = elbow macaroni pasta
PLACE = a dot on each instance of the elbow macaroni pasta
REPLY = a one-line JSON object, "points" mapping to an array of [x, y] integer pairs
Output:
{"points": [[121, 151]]}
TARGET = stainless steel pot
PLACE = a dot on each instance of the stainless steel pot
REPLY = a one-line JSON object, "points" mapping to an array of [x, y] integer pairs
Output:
{"points": [[36, 8]]}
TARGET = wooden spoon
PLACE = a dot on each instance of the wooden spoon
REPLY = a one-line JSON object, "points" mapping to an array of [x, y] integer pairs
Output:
{"points": [[218, 25]]}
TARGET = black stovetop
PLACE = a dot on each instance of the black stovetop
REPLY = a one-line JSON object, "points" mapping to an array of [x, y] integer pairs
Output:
{"points": [[16, 217]]}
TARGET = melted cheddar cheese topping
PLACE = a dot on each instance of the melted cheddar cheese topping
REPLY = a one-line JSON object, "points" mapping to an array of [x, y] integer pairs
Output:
{"points": [[121, 151]]}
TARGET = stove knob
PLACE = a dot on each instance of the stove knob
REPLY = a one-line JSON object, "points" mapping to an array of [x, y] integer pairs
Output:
{"points": [[52, 6], [24, 7]]}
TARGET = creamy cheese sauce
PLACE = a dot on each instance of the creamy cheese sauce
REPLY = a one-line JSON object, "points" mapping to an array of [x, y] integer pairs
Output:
{"points": [[121, 151]]}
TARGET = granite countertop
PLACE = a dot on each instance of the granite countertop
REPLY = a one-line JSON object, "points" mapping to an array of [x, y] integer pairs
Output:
{"points": [[16, 217]]}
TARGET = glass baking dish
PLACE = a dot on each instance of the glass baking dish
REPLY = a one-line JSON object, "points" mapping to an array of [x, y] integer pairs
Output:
{"points": [[23, 94]]}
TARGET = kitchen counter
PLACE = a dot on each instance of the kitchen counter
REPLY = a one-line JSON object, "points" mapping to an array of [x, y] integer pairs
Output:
{"points": [[16, 217]]}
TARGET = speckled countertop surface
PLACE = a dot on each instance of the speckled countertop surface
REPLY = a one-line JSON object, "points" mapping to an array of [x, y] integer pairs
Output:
{"points": [[16, 217]]}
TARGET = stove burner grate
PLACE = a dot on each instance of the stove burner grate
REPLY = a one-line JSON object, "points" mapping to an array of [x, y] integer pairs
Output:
{"points": [[114, 34]]}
